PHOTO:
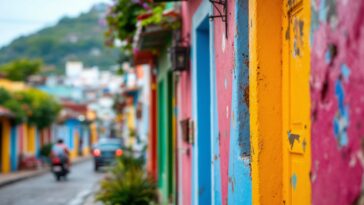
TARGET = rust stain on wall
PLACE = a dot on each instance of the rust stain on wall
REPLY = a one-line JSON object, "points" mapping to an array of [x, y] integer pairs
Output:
{"points": [[246, 95]]}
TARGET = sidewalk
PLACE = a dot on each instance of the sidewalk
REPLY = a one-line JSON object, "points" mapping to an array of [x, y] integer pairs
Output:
{"points": [[90, 199], [6, 179]]}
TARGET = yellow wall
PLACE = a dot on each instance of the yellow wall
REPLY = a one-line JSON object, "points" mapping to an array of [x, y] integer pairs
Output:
{"points": [[266, 100], [273, 105], [12, 85], [5, 137], [74, 151], [31, 139], [93, 132], [130, 117], [25, 137], [86, 151]]}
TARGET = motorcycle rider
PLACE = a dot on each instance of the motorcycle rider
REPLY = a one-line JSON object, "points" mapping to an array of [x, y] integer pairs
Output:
{"points": [[61, 150]]}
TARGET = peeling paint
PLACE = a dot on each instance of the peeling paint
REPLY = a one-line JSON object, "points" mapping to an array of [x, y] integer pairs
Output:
{"points": [[327, 12], [292, 138], [294, 181], [246, 60], [298, 36], [331, 53], [246, 95], [345, 71], [341, 120], [304, 145]]}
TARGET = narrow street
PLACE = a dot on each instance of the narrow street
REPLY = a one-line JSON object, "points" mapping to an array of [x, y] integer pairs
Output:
{"points": [[45, 190]]}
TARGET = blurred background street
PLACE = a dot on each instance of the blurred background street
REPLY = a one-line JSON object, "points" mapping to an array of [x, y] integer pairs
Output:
{"points": [[80, 184], [186, 102]]}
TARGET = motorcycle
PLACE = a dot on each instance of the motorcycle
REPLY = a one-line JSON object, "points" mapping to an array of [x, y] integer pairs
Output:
{"points": [[59, 168]]}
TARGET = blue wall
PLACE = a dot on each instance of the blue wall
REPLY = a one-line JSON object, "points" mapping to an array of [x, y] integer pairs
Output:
{"points": [[73, 125], [13, 148], [37, 142], [239, 162]]}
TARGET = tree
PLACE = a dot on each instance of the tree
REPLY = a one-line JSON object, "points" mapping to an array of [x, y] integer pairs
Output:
{"points": [[4, 96], [21, 69], [41, 108], [17, 108], [32, 106]]}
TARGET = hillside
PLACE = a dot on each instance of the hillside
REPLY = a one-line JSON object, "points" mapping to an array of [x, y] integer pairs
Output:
{"points": [[79, 38]]}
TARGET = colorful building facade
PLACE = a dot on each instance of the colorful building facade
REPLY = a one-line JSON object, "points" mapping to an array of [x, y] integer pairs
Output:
{"points": [[216, 89], [272, 99], [21, 144]]}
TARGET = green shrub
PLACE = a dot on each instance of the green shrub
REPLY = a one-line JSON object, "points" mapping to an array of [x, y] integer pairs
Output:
{"points": [[45, 150], [127, 184]]}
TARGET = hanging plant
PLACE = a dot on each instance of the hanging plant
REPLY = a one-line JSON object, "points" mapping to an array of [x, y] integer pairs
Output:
{"points": [[157, 17], [122, 20], [124, 15]]}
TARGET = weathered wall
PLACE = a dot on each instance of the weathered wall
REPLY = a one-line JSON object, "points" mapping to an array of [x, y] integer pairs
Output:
{"points": [[232, 141], [265, 100], [224, 69], [230, 90], [185, 110], [239, 188], [184, 151], [337, 100]]}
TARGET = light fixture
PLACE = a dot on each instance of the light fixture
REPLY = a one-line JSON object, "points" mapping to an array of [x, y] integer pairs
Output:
{"points": [[180, 58], [222, 12]]}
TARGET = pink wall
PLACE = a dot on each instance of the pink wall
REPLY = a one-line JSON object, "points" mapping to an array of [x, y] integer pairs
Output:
{"points": [[337, 87], [224, 62], [184, 107], [20, 130], [185, 149]]}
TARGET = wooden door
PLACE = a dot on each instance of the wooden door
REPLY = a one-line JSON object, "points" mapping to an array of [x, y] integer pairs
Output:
{"points": [[296, 102]]}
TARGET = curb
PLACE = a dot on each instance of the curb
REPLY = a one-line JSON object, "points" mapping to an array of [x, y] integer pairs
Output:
{"points": [[21, 178], [39, 172]]}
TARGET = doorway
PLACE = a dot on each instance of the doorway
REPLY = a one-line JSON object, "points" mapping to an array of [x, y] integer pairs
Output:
{"points": [[296, 103], [203, 111]]}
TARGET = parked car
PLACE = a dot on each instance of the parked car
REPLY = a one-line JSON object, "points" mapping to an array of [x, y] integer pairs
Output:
{"points": [[106, 151]]}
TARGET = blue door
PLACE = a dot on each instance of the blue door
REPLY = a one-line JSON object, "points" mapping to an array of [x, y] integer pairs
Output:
{"points": [[203, 123]]}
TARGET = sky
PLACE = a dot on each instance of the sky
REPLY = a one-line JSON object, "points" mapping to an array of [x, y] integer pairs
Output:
{"points": [[22, 17]]}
